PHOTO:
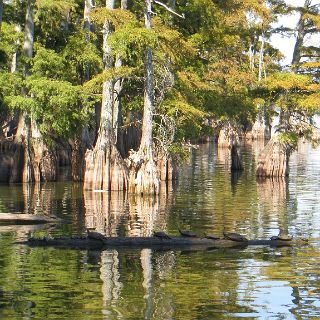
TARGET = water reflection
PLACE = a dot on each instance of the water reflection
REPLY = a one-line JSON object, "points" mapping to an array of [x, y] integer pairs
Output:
{"points": [[261, 283]]}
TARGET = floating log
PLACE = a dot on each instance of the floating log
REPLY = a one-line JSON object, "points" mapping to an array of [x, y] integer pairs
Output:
{"points": [[174, 243], [24, 218], [24, 228]]}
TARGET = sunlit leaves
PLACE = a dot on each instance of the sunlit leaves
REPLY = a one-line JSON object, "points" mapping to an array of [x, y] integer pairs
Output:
{"points": [[10, 38], [130, 41], [61, 6], [10, 83], [117, 17], [48, 63], [287, 82], [95, 84]]}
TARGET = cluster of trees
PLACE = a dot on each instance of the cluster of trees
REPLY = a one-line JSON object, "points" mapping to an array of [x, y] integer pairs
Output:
{"points": [[115, 87]]}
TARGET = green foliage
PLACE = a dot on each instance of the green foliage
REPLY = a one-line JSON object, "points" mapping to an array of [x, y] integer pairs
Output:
{"points": [[10, 83], [61, 6], [131, 40], [9, 42], [289, 138], [20, 103], [286, 81], [117, 17], [52, 18], [201, 63], [48, 63], [95, 84], [188, 119], [178, 153], [82, 57], [58, 105]]}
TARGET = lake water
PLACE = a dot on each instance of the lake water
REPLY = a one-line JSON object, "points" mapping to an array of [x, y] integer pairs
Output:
{"points": [[251, 283]]}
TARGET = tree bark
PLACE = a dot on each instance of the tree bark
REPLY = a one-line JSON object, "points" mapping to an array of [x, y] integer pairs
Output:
{"points": [[301, 33], [33, 160], [81, 141], [260, 130], [143, 177], [22, 169], [28, 34], [116, 116], [88, 6], [104, 167], [174, 243], [228, 136], [1, 13], [261, 60], [274, 159]]}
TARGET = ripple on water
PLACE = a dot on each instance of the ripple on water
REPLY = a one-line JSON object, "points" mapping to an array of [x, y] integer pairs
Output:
{"points": [[253, 283]]}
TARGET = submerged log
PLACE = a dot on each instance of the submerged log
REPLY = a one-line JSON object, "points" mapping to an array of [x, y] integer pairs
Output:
{"points": [[173, 243], [24, 218], [22, 228], [236, 164]]}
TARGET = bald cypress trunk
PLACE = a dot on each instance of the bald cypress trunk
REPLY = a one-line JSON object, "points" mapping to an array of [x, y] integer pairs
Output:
{"points": [[1, 13], [274, 159], [143, 172], [22, 170], [301, 33], [104, 166], [33, 160], [116, 116], [81, 141]]}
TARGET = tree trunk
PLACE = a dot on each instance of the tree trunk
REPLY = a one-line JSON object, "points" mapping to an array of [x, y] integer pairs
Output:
{"points": [[1, 13], [81, 141], [104, 167], [143, 177], [260, 130], [22, 169], [261, 60], [33, 160], [273, 160], [14, 61], [88, 6], [116, 117], [228, 136], [44, 160], [28, 34], [301, 33]]}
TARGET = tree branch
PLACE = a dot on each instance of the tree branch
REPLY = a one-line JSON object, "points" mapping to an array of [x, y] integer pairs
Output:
{"points": [[169, 9]]}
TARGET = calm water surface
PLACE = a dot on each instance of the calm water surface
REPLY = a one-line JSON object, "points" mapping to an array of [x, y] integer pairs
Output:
{"points": [[251, 283]]}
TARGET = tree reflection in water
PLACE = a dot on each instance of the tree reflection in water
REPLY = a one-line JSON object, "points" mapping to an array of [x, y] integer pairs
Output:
{"points": [[110, 212], [136, 284]]}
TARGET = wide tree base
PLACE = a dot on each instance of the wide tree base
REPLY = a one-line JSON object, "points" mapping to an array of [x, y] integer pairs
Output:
{"points": [[273, 160], [33, 163], [105, 170], [143, 175]]}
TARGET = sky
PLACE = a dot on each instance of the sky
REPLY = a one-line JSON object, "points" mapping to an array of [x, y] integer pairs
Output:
{"points": [[286, 44]]}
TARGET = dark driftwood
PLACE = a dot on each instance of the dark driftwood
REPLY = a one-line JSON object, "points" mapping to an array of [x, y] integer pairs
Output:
{"points": [[153, 243], [24, 218]]}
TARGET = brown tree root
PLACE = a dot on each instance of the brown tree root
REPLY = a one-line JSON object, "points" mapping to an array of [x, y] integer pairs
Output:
{"points": [[105, 170]]}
